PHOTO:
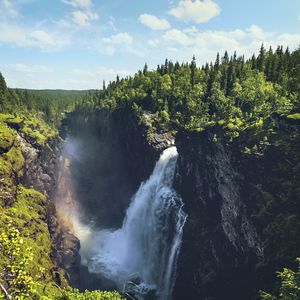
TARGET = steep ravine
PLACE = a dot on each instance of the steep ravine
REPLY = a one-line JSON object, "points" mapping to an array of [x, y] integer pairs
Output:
{"points": [[104, 159], [227, 248]]}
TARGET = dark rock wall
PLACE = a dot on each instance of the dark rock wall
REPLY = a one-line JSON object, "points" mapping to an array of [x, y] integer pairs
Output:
{"points": [[220, 244]]}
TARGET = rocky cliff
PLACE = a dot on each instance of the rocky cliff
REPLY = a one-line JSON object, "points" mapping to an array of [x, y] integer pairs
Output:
{"points": [[29, 150], [240, 197]]}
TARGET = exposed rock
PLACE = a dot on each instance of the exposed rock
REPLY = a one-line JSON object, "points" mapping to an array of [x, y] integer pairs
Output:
{"points": [[161, 141], [39, 167], [39, 173], [220, 242]]}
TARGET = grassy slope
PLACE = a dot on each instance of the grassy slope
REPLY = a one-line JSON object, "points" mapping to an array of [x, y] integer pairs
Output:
{"points": [[25, 243]]}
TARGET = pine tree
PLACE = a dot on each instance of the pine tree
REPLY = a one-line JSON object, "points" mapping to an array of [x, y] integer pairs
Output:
{"points": [[253, 62], [145, 69], [261, 60], [193, 67], [3, 92], [217, 62], [231, 77], [225, 58]]}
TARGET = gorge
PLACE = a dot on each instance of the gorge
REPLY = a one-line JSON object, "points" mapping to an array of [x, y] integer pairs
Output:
{"points": [[175, 183], [146, 248], [218, 199]]}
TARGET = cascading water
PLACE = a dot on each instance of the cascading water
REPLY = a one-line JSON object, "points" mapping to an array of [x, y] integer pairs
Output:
{"points": [[146, 247], [141, 256]]}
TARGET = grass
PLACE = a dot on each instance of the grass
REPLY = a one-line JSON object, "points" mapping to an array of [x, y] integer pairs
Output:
{"points": [[7, 137], [28, 215], [15, 157], [33, 127], [38, 131]]}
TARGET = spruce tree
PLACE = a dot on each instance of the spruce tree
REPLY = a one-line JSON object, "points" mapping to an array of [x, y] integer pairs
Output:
{"points": [[193, 67]]}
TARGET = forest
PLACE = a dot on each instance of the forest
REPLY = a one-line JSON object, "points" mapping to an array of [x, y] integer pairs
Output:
{"points": [[250, 105]]}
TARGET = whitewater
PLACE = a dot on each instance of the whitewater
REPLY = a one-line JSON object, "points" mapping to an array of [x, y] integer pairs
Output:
{"points": [[141, 256]]}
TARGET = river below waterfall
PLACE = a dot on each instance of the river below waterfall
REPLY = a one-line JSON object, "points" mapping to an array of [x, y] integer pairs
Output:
{"points": [[140, 257]]}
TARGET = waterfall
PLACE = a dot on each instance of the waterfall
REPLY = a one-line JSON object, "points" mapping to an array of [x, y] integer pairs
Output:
{"points": [[142, 254]]}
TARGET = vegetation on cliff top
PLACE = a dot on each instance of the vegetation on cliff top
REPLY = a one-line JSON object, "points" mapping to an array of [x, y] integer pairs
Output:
{"points": [[232, 91]]}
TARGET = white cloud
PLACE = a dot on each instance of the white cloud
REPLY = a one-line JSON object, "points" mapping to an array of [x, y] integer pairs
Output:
{"points": [[83, 19], [117, 42], [182, 44], [79, 3], [23, 68], [101, 71], [63, 24], [111, 23], [258, 33], [177, 36], [43, 38], [198, 11], [28, 37], [153, 43], [8, 7], [154, 22], [298, 17], [92, 78], [119, 38]]}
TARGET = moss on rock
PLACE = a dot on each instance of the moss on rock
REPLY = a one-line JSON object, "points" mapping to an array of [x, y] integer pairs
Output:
{"points": [[7, 136]]}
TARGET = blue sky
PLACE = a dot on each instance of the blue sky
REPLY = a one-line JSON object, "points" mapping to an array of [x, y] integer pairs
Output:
{"points": [[76, 44]]}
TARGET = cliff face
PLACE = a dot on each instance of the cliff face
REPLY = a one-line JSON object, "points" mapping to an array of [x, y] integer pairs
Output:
{"points": [[220, 244], [240, 207], [28, 154]]}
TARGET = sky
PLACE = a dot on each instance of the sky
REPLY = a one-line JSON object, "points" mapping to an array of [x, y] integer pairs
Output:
{"points": [[76, 44]]}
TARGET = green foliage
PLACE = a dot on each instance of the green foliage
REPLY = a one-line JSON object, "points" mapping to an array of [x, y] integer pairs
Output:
{"points": [[16, 159], [20, 284], [295, 116], [26, 269], [196, 97], [26, 219], [51, 105], [74, 294], [37, 130], [25, 253], [7, 136], [289, 285], [19, 280], [32, 126]]}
